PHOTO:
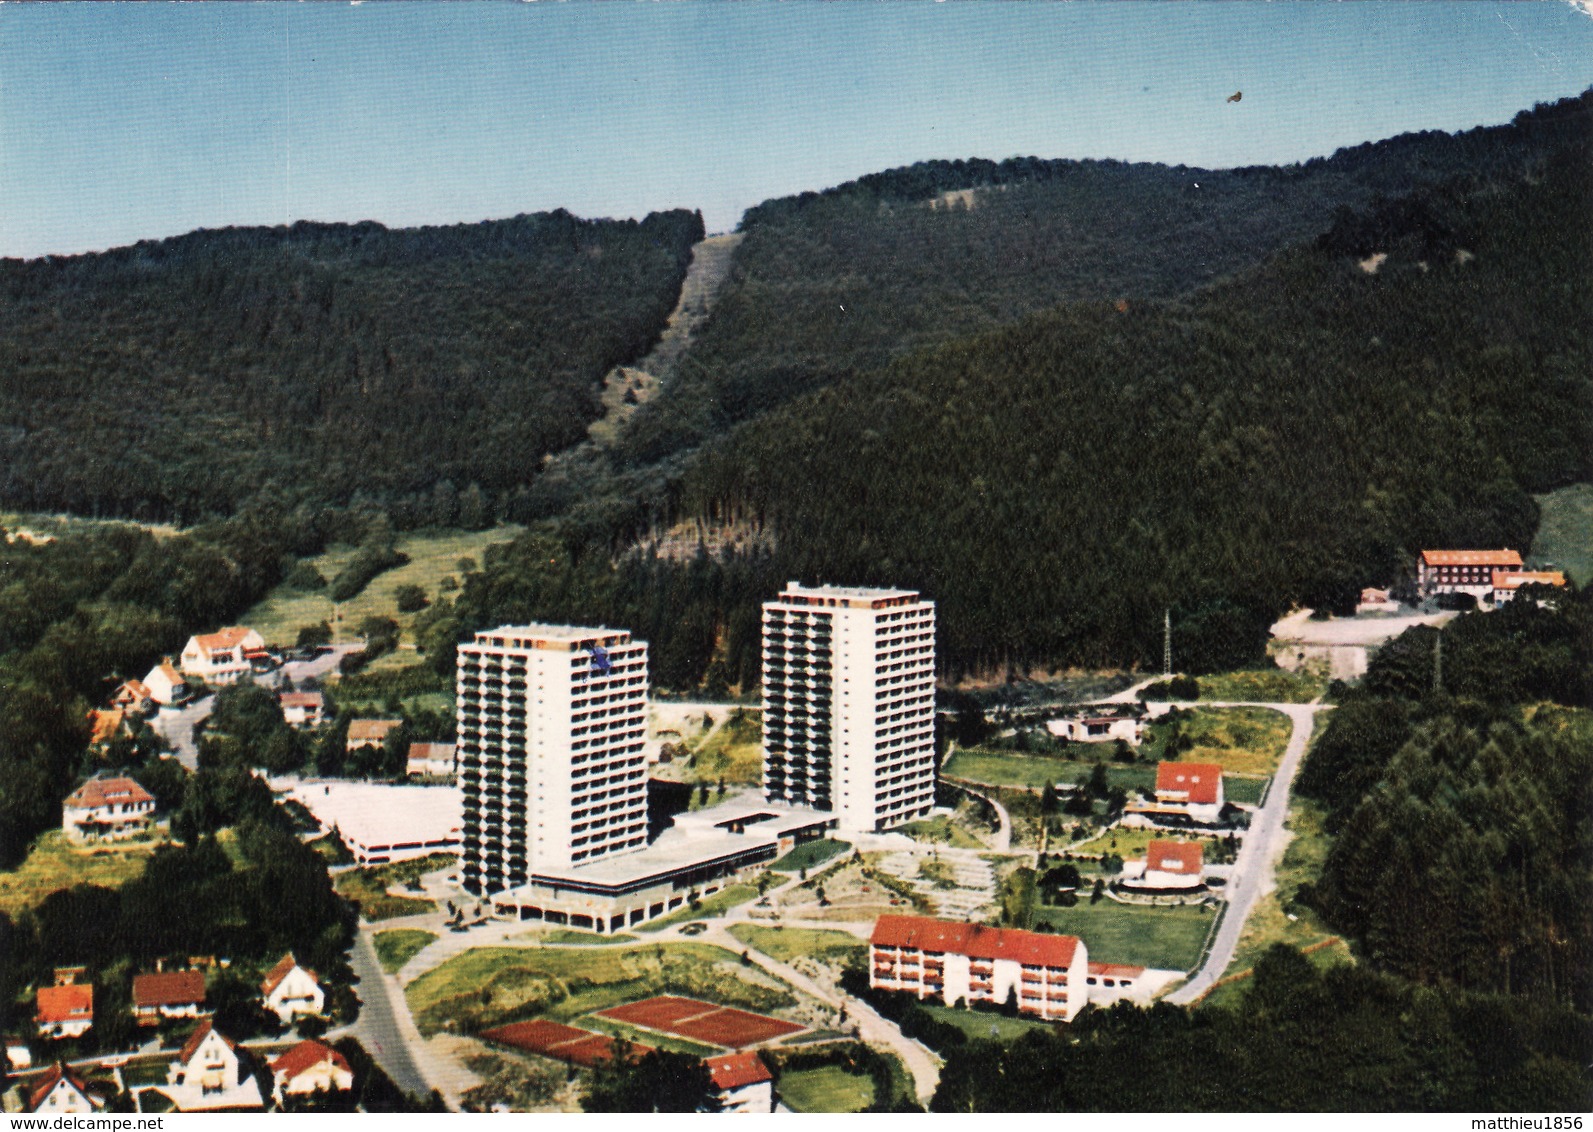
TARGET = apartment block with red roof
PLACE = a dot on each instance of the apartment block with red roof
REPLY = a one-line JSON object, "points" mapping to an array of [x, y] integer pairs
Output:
{"points": [[743, 1081], [949, 960], [224, 656], [107, 809], [1462, 571]]}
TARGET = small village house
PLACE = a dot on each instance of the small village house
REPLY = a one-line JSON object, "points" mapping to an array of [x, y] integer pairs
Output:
{"points": [[1187, 795], [167, 994], [224, 656], [65, 1010], [1099, 725], [212, 1074], [165, 684], [1173, 868], [58, 1091], [290, 991], [308, 1068], [134, 697], [431, 760], [107, 725], [743, 1082], [947, 960], [302, 709], [107, 809], [370, 732]]}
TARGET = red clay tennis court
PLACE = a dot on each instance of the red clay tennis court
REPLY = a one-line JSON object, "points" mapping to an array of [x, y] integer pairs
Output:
{"points": [[555, 1039], [708, 1022]]}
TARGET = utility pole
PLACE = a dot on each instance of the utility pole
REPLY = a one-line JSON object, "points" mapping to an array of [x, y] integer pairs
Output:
{"points": [[1167, 642]]}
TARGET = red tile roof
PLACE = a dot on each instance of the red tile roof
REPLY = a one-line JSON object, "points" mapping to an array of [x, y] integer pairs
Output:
{"points": [[431, 750], [71, 1003], [275, 976], [46, 1084], [1185, 857], [1200, 782], [137, 689], [228, 638], [1116, 970], [172, 988], [306, 1055], [191, 1046], [1471, 558], [301, 699], [975, 940], [735, 1070], [105, 791], [1512, 579], [171, 674], [377, 729], [105, 724]]}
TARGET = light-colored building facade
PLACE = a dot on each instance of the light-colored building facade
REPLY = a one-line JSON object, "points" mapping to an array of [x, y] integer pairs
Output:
{"points": [[165, 684], [167, 994], [948, 961], [1098, 726], [308, 1068], [1462, 571], [224, 656], [290, 991], [849, 703], [107, 809], [212, 1074], [743, 1082], [552, 721]]}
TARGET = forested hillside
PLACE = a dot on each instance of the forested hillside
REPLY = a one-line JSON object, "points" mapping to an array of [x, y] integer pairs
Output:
{"points": [[827, 285], [180, 378]]}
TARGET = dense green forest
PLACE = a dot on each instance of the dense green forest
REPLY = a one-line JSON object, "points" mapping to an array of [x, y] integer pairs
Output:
{"points": [[1288, 434], [180, 378], [828, 285]]}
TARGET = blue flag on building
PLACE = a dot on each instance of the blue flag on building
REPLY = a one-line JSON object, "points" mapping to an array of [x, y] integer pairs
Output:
{"points": [[600, 661]]}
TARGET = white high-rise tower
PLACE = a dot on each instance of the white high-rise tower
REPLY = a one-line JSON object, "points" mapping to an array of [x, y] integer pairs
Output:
{"points": [[849, 703], [551, 724]]}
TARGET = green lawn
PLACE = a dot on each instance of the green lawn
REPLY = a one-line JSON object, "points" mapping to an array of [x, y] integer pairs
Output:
{"points": [[940, 830], [829, 1088], [397, 947], [1565, 532], [1247, 740], [1168, 938], [810, 855], [709, 908], [576, 936], [1265, 685], [488, 986], [1000, 768], [978, 1025], [785, 944], [54, 864], [1127, 843], [368, 887], [136, 1073], [432, 557]]}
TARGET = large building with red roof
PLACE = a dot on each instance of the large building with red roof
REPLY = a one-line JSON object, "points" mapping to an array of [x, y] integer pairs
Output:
{"points": [[1462, 571], [224, 656], [106, 809], [951, 960]]}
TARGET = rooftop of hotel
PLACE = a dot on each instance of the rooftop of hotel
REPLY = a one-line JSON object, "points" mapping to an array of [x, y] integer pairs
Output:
{"points": [[855, 593], [540, 632], [696, 838]]}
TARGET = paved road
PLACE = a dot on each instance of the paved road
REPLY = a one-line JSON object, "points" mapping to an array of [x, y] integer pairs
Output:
{"points": [[1259, 853], [1001, 839], [387, 1035]]}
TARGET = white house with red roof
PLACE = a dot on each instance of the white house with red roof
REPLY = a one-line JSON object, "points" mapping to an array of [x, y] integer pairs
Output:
{"points": [[302, 709], [1172, 868], [165, 684], [107, 809], [1462, 571], [211, 1074], [58, 1090], [950, 960], [1186, 795], [431, 760], [134, 696], [167, 994], [223, 656], [308, 1068], [65, 1010], [743, 1081], [290, 991]]}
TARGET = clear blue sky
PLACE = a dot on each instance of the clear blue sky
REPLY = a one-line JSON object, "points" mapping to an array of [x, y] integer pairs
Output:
{"points": [[122, 122]]}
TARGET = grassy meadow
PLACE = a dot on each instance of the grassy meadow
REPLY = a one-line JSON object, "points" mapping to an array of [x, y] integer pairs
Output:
{"points": [[54, 864]]}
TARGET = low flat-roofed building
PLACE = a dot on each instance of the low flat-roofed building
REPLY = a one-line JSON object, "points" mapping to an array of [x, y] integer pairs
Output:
{"points": [[380, 822], [698, 855], [1099, 725]]}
